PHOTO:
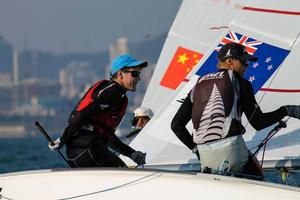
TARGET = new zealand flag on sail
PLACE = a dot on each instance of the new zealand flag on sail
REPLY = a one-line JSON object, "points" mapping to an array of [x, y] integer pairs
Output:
{"points": [[269, 59]]}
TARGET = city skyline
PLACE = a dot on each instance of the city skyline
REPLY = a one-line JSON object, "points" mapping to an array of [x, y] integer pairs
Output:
{"points": [[83, 26], [41, 85]]}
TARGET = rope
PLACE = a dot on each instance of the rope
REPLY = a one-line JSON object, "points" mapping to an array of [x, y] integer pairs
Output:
{"points": [[290, 49], [4, 197], [101, 191], [265, 141], [265, 144], [263, 155], [282, 124], [112, 188]]}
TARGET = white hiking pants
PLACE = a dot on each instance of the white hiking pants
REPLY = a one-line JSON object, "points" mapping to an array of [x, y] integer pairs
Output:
{"points": [[225, 155]]}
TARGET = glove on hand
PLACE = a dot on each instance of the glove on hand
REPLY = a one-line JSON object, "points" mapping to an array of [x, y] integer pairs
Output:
{"points": [[138, 157], [293, 111], [56, 146]]}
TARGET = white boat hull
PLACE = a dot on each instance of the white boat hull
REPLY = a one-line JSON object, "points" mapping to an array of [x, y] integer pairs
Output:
{"points": [[136, 184]]}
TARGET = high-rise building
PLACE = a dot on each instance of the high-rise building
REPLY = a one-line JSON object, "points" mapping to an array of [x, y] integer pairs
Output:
{"points": [[6, 60], [15, 68], [122, 46]]}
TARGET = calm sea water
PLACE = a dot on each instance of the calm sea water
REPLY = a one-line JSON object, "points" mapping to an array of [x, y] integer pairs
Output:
{"points": [[20, 154]]}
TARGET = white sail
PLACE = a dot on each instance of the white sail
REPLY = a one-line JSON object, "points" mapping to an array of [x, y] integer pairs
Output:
{"points": [[197, 25], [283, 88], [273, 22]]}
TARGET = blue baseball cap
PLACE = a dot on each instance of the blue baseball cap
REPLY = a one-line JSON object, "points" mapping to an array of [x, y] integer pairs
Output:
{"points": [[126, 61]]}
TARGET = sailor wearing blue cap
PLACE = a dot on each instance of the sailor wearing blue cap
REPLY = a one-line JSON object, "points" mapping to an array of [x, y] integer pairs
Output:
{"points": [[91, 126], [126, 71], [124, 61]]}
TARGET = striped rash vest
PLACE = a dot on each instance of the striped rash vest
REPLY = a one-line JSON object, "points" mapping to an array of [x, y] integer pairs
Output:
{"points": [[216, 113]]}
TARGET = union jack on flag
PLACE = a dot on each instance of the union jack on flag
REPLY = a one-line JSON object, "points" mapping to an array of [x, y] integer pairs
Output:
{"points": [[269, 59], [244, 40]]}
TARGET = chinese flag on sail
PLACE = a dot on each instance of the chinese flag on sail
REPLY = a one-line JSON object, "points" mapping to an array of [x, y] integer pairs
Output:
{"points": [[182, 63]]}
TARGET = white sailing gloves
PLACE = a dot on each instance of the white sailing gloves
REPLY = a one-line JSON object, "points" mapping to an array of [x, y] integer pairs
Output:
{"points": [[138, 157], [56, 146], [293, 110]]}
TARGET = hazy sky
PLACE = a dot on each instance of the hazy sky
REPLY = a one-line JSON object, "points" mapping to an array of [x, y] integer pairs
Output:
{"points": [[82, 25]]}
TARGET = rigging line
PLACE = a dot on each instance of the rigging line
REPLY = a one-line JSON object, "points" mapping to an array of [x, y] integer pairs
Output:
{"points": [[269, 136], [290, 49], [4, 197], [278, 69], [113, 188]]}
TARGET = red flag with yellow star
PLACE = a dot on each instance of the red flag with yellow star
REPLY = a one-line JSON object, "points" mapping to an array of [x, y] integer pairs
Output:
{"points": [[182, 63]]}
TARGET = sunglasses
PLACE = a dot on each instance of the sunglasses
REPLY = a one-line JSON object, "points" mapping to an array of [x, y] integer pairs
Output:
{"points": [[133, 73]]}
